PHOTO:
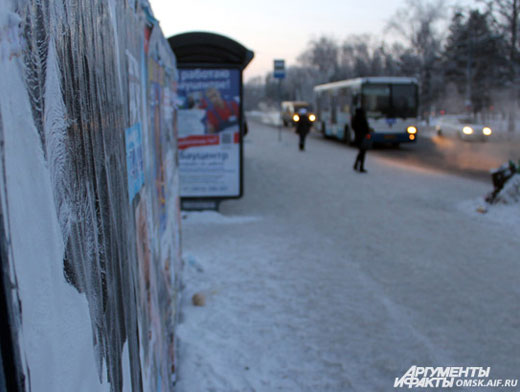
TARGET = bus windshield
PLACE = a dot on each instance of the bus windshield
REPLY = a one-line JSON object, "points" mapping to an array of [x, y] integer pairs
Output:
{"points": [[298, 106], [390, 100]]}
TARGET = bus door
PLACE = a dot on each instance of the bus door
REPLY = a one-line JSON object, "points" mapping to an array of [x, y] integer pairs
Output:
{"points": [[343, 113], [334, 113], [324, 111]]}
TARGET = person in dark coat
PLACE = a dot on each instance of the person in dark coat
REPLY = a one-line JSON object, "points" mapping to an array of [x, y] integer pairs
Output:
{"points": [[360, 126], [303, 126]]}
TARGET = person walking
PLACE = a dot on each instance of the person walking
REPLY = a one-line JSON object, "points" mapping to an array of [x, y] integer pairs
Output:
{"points": [[303, 126], [362, 131]]}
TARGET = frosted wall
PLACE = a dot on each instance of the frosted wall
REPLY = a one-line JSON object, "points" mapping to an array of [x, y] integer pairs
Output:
{"points": [[89, 195]]}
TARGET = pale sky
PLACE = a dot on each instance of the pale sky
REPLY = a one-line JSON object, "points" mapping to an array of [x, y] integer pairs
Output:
{"points": [[275, 29]]}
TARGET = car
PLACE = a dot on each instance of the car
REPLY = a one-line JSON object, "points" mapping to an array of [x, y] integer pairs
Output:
{"points": [[290, 108], [302, 112], [463, 127]]}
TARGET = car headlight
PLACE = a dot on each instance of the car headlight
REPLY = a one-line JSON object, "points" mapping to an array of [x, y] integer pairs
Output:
{"points": [[467, 131], [312, 117], [296, 118], [411, 130], [487, 131]]}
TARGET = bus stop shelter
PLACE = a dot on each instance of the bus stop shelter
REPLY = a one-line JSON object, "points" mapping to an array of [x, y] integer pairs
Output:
{"points": [[210, 117]]}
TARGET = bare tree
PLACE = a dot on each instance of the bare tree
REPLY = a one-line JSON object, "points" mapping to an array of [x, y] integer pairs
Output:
{"points": [[506, 14], [322, 54], [299, 83], [357, 56], [418, 25], [470, 60], [474, 58], [254, 92]]}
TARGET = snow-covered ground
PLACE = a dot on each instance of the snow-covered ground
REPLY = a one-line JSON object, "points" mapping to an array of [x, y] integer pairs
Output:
{"points": [[271, 117], [323, 279]]}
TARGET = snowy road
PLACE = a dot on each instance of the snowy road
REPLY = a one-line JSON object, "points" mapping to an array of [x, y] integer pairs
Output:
{"points": [[323, 279], [469, 159]]}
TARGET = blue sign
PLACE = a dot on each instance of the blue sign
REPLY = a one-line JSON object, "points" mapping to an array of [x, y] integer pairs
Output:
{"points": [[279, 69], [134, 160]]}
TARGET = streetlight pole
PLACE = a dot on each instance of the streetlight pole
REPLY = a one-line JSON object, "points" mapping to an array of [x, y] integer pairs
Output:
{"points": [[279, 105]]}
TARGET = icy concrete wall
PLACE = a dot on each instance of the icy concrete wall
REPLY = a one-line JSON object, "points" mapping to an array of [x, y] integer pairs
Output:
{"points": [[89, 207]]}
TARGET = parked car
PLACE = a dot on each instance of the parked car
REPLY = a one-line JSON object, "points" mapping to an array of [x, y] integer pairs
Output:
{"points": [[290, 108], [464, 128]]}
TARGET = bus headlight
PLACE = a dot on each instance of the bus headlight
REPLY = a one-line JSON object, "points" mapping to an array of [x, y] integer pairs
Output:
{"points": [[487, 131], [296, 118], [312, 117], [411, 130], [467, 131]]}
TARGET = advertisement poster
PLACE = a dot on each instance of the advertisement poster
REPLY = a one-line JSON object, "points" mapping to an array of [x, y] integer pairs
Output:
{"points": [[209, 132], [134, 160], [156, 217], [133, 134]]}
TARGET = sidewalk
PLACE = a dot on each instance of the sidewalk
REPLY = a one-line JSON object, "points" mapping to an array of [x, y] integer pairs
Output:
{"points": [[322, 279]]}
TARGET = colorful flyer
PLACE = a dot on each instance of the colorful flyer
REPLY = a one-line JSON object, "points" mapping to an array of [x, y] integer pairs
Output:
{"points": [[209, 132]]}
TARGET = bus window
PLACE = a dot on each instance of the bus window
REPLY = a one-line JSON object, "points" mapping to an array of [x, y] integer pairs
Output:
{"points": [[334, 108], [376, 100], [322, 103], [404, 100], [344, 100], [318, 103], [355, 101], [325, 101], [302, 105]]}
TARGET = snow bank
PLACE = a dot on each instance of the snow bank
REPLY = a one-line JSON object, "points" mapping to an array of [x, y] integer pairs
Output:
{"points": [[493, 215], [510, 194], [265, 117], [504, 211], [213, 217]]}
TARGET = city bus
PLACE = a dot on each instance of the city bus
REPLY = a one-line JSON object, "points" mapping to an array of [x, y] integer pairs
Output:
{"points": [[391, 105]]}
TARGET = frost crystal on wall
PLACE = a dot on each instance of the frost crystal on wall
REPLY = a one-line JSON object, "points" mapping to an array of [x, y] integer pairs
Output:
{"points": [[89, 194]]}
